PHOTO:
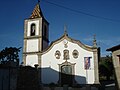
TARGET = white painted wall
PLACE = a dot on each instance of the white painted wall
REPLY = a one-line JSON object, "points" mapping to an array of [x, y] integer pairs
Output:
{"points": [[31, 60], [32, 45], [50, 63]]}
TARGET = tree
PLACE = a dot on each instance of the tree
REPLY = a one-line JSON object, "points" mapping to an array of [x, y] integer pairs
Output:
{"points": [[9, 54], [106, 67]]}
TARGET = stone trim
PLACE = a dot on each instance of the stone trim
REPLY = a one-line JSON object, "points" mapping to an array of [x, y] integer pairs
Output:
{"points": [[33, 37], [24, 50], [25, 42], [39, 59], [34, 19], [39, 63], [24, 59], [86, 47], [75, 54], [25, 28], [31, 53], [95, 53], [39, 44]]}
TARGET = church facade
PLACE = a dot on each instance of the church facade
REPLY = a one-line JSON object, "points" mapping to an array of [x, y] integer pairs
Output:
{"points": [[65, 61]]}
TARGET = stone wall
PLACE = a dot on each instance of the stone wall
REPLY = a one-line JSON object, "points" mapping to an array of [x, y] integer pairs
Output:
{"points": [[116, 64], [27, 78], [8, 76]]}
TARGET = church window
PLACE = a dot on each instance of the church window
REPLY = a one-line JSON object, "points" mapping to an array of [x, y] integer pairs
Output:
{"points": [[66, 54], [32, 29], [75, 54], [57, 54], [67, 69]]}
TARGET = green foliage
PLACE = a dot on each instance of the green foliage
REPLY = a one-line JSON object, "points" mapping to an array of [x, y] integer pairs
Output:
{"points": [[9, 54], [106, 67]]}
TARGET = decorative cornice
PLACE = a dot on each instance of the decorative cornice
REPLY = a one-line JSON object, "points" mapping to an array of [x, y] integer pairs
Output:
{"points": [[67, 63], [33, 37], [65, 36], [30, 53]]}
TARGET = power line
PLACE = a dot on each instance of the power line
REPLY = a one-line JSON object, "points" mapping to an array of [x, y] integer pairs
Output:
{"points": [[81, 12]]}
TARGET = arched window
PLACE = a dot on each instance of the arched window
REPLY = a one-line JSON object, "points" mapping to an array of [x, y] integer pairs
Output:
{"points": [[66, 69], [32, 29]]}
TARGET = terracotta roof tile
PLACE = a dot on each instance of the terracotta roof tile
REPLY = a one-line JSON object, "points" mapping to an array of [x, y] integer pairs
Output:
{"points": [[37, 13]]}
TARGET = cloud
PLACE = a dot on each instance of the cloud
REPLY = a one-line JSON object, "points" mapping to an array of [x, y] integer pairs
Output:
{"points": [[106, 42], [110, 42], [89, 39]]}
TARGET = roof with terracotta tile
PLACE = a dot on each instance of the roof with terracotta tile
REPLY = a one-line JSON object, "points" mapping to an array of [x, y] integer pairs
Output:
{"points": [[114, 48], [36, 13]]}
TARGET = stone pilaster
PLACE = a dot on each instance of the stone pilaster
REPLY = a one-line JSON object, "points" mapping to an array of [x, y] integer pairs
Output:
{"points": [[39, 59], [39, 68], [96, 66], [25, 46], [39, 44], [24, 59], [25, 42]]}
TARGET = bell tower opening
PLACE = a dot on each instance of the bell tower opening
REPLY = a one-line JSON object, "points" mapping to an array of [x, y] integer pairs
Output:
{"points": [[32, 29]]}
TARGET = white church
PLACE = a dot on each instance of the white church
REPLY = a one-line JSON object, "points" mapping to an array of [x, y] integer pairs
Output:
{"points": [[65, 61]]}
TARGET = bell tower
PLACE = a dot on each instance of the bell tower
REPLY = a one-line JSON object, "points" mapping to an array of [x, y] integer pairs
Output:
{"points": [[36, 37]]}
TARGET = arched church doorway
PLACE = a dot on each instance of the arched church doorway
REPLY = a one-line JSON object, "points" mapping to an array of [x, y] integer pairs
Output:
{"points": [[66, 75]]}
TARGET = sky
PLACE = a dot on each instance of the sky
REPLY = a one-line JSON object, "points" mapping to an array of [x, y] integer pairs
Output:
{"points": [[83, 18]]}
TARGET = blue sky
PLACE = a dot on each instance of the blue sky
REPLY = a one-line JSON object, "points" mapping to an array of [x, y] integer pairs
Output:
{"points": [[79, 26]]}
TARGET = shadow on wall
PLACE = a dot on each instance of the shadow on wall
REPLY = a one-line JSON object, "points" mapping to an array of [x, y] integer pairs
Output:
{"points": [[28, 78], [65, 77]]}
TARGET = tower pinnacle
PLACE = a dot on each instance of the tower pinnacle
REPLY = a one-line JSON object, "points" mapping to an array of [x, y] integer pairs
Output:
{"points": [[94, 41], [36, 13]]}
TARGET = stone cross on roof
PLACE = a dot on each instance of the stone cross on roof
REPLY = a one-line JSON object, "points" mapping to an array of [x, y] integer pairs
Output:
{"points": [[94, 41]]}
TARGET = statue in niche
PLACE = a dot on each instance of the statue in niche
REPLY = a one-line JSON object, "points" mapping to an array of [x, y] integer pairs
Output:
{"points": [[66, 54]]}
